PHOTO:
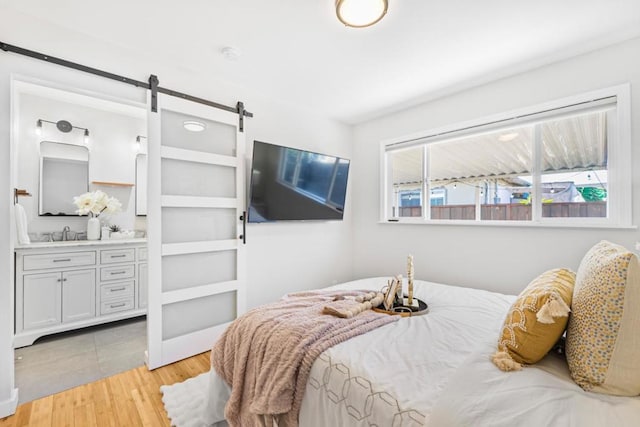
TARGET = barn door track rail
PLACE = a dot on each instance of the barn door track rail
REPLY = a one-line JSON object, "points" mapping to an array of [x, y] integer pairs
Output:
{"points": [[153, 84]]}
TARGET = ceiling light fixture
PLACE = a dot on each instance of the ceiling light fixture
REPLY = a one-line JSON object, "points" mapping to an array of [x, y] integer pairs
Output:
{"points": [[361, 13], [506, 137], [194, 126], [230, 53]]}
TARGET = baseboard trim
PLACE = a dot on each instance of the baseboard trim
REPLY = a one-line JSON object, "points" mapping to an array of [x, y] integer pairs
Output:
{"points": [[8, 407]]}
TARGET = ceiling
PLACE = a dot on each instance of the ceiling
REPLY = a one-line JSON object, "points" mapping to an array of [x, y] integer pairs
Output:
{"points": [[297, 51]]}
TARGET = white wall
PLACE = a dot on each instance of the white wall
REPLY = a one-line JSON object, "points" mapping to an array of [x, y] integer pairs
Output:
{"points": [[8, 395], [288, 256], [111, 156], [281, 257], [504, 259]]}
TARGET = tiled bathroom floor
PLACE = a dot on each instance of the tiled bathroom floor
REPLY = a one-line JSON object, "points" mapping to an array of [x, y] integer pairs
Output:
{"points": [[59, 362]]}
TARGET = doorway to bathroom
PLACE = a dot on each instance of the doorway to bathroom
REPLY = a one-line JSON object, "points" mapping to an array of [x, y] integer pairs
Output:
{"points": [[80, 298]]}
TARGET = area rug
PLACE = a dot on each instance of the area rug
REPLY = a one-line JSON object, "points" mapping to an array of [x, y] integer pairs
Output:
{"points": [[184, 402]]}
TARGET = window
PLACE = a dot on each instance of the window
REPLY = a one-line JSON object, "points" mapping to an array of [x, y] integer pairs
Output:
{"points": [[564, 163], [322, 178]]}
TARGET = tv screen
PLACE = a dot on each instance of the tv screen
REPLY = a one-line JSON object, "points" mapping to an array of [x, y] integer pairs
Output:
{"points": [[291, 184]]}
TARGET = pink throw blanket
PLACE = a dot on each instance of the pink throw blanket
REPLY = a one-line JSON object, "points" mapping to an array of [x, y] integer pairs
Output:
{"points": [[266, 355]]}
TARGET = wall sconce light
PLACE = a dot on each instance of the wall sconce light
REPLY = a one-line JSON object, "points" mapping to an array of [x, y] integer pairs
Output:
{"points": [[138, 145], [361, 13], [63, 126]]}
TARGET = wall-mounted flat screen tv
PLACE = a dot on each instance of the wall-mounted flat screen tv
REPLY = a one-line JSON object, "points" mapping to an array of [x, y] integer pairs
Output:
{"points": [[291, 184]]}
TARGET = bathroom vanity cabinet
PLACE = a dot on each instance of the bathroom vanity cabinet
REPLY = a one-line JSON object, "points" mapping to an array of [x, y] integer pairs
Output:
{"points": [[62, 286]]}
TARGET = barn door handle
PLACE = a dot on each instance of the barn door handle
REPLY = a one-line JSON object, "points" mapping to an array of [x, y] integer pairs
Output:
{"points": [[243, 236]]}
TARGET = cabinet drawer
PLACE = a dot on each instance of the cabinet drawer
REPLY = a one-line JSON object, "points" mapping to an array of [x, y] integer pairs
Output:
{"points": [[58, 260], [116, 306], [117, 255], [116, 291], [142, 254], [117, 272]]}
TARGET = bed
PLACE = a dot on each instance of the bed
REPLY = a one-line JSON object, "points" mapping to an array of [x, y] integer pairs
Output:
{"points": [[436, 370]]}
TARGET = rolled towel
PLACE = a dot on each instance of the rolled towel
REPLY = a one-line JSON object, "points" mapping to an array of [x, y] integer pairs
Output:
{"points": [[347, 308], [21, 225]]}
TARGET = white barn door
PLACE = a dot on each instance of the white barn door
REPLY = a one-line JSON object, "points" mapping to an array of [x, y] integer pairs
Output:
{"points": [[196, 197]]}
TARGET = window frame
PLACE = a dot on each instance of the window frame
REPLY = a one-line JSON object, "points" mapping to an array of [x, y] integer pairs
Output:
{"points": [[619, 164]]}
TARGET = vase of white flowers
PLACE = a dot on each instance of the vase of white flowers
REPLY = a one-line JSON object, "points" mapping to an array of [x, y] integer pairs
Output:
{"points": [[93, 228], [93, 204]]}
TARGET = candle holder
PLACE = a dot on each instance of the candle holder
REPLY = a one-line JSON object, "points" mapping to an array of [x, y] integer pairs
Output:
{"points": [[418, 309]]}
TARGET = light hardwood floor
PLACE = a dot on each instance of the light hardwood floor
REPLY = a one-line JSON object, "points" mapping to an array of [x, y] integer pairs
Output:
{"points": [[129, 399]]}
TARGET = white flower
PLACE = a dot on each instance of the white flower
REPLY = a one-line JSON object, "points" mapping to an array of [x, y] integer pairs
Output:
{"points": [[95, 203], [101, 200], [113, 205], [84, 202]]}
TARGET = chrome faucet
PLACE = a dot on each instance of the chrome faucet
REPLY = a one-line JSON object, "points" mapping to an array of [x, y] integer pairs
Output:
{"points": [[65, 233]]}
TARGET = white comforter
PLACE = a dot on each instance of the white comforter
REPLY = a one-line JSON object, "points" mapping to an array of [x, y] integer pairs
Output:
{"points": [[435, 370], [544, 394]]}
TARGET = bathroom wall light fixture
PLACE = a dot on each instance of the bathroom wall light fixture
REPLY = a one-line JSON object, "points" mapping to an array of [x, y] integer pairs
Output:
{"points": [[194, 126], [361, 13], [138, 145], [63, 126]]}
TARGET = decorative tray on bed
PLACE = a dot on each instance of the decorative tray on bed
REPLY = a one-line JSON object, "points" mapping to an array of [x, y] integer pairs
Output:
{"points": [[405, 310]]}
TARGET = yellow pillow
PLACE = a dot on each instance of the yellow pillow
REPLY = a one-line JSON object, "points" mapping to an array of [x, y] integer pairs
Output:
{"points": [[603, 337], [536, 320]]}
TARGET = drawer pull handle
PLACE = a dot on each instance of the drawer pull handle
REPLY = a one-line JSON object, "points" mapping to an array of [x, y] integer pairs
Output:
{"points": [[118, 289], [117, 305], [62, 260], [117, 272], [119, 256]]}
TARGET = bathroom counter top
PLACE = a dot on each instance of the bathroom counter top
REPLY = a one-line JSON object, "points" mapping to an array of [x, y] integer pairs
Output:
{"points": [[80, 243]]}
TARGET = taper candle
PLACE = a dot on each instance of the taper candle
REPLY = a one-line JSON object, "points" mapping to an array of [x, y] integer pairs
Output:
{"points": [[410, 278]]}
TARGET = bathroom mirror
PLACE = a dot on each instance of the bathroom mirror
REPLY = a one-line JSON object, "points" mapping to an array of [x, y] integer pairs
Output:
{"points": [[141, 185], [64, 174]]}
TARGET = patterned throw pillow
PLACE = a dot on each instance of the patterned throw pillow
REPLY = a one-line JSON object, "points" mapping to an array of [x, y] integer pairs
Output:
{"points": [[536, 320], [603, 337]]}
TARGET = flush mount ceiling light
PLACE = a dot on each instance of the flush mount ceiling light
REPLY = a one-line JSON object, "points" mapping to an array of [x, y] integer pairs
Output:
{"points": [[506, 137], [194, 126], [361, 13], [230, 53]]}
